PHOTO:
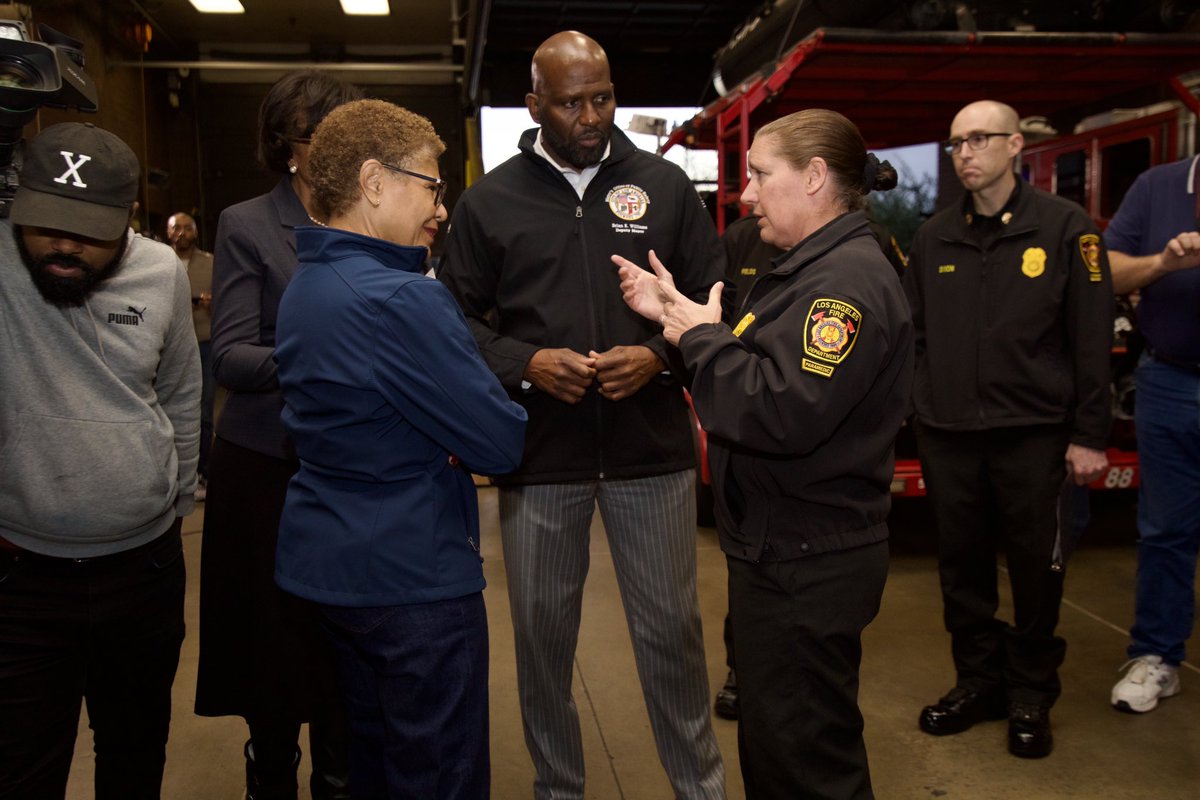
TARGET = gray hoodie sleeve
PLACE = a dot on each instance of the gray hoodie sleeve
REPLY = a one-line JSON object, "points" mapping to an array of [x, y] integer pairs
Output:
{"points": [[177, 386]]}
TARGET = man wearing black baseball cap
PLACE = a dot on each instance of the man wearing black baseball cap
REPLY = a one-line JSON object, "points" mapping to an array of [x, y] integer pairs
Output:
{"points": [[99, 436]]}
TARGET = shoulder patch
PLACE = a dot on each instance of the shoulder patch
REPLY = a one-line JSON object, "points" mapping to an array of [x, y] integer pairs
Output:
{"points": [[1089, 248], [833, 329]]}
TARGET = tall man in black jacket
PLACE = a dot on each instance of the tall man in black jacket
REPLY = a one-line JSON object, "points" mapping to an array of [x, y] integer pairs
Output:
{"points": [[527, 256], [1011, 298]]}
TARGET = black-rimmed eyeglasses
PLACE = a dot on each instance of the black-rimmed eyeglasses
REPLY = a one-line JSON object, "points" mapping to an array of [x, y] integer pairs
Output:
{"points": [[439, 184], [976, 141]]}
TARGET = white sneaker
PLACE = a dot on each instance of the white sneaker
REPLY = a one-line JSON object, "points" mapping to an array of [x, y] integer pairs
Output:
{"points": [[1147, 681]]}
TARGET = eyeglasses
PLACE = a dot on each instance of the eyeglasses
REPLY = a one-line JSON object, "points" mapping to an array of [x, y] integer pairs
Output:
{"points": [[439, 184], [976, 141]]}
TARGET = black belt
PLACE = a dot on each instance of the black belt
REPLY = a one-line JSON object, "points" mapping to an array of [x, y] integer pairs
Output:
{"points": [[1190, 366]]}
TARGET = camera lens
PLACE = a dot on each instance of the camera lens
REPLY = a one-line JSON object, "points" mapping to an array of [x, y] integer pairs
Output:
{"points": [[17, 74]]}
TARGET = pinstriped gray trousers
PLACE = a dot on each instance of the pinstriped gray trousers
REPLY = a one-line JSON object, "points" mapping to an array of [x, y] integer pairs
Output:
{"points": [[651, 528]]}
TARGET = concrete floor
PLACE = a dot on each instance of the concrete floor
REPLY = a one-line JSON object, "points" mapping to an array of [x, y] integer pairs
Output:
{"points": [[1100, 754]]}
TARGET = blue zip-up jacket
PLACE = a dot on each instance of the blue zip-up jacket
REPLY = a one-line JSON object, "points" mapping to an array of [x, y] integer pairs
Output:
{"points": [[389, 404]]}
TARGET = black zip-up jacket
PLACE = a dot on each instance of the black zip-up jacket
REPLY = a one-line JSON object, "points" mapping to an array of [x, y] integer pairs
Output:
{"points": [[1017, 330], [803, 397], [529, 262]]}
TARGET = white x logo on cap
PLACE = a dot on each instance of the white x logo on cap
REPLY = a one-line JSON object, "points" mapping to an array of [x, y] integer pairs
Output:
{"points": [[73, 169]]}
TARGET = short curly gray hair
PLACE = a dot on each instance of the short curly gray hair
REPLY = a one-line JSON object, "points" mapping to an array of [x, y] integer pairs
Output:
{"points": [[357, 132]]}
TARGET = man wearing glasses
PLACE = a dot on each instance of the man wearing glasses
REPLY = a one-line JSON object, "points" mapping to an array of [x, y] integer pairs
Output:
{"points": [[1011, 298]]}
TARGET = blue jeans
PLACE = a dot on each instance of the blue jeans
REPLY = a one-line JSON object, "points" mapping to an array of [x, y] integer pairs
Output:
{"points": [[1167, 416], [415, 682]]}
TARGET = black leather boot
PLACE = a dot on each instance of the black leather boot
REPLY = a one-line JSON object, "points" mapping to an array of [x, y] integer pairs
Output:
{"points": [[726, 705], [329, 746], [1029, 733], [270, 781], [961, 708]]}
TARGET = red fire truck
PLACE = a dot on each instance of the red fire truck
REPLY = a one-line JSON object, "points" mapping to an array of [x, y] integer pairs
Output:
{"points": [[903, 88]]}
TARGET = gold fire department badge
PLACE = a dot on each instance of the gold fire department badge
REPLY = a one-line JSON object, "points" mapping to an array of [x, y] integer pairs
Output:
{"points": [[1033, 262]]}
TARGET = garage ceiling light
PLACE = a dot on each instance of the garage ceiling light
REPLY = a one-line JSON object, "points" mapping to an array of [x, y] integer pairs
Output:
{"points": [[218, 6], [375, 8]]}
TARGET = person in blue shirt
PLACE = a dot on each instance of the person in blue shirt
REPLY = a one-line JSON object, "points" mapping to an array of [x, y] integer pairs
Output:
{"points": [[1154, 247], [391, 407]]}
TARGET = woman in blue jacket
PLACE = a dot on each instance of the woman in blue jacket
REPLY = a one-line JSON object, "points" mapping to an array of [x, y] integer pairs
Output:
{"points": [[390, 406]]}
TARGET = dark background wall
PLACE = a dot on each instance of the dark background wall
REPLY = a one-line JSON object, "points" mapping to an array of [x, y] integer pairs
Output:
{"points": [[196, 138]]}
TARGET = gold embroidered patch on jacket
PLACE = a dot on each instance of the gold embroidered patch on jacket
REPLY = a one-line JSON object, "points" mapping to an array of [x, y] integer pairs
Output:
{"points": [[1089, 248], [834, 328]]}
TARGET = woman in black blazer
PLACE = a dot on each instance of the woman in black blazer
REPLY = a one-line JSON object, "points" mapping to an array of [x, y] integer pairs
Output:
{"points": [[262, 654]]}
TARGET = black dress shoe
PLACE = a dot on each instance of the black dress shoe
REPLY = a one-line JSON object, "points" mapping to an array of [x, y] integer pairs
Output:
{"points": [[960, 709], [1029, 731], [727, 698]]}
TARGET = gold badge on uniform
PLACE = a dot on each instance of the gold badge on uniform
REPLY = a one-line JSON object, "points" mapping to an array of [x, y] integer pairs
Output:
{"points": [[745, 323], [1089, 248], [831, 337], [1033, 262]]}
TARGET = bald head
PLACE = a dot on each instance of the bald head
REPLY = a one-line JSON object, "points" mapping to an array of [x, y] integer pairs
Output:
{"points": [[563, 50], [994, 115], [986, 141], [572, 99]]}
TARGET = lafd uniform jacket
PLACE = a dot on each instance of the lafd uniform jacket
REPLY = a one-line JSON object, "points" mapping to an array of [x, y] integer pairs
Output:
{"points": [[529, 262], [803, 397], [1016, 332]]}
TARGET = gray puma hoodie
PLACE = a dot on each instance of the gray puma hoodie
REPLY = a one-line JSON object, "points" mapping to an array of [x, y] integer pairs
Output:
{"points": [[99, 406]]}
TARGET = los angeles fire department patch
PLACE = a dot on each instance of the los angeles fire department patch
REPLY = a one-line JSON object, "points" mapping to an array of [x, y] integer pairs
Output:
{"points": [[833, 328], [1089, 248]]}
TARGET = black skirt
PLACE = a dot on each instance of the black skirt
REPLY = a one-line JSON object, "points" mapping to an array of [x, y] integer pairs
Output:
{"points": [[263, 654]]}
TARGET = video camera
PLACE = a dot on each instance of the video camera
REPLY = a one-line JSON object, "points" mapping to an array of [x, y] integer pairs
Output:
{"points": [[32, 75]]}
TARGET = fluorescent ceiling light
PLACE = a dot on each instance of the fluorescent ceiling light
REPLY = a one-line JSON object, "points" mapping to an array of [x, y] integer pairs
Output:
{"points": [[375, 8], [218, 6]]}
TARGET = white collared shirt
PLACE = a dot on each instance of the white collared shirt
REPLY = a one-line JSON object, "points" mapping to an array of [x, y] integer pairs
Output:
{"points": [[577, 178]]}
